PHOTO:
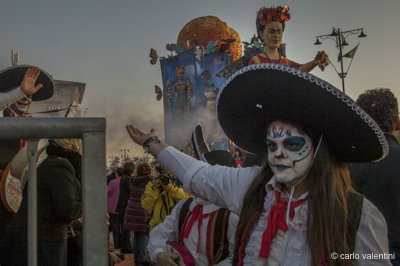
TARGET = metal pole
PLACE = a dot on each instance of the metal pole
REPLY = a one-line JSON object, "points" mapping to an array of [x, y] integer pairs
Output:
{"points": [[341, 75], [32, 203], [92, 130], [46, 127], [94, 200]]}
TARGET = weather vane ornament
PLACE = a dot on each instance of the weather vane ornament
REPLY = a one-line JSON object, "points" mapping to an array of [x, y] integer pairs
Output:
{"points": [[267, 15], [14, 58]]}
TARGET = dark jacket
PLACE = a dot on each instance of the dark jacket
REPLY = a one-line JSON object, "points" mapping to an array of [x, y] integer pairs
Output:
{"points": [[124, 192], [136, 218], [59, 203], [380, 183]]}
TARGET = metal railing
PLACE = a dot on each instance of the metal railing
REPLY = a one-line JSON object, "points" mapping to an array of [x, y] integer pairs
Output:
{"points": [[92, 131]]}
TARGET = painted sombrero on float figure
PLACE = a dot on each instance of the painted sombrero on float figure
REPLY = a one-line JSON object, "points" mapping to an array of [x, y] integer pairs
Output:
{"points": [[260, 93], [12, 77]]}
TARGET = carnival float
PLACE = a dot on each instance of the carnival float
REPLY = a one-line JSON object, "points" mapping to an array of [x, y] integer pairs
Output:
{"points": [[206, 52]]}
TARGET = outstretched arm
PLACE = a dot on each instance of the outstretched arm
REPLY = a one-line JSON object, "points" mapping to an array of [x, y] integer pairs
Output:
{"points": [[321, 59], [220, 185], [10, 97], [139, 138]]}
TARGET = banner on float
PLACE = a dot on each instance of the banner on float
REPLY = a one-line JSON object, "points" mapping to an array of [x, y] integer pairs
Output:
{"points": [[190, 89]]}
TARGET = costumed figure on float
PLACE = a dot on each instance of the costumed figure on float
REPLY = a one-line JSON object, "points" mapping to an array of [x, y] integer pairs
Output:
{"points": [[267, 45], [270, 23]]}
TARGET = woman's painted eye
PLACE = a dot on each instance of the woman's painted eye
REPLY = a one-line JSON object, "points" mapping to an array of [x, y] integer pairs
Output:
{"points": [[294, 143], [271, 145]]}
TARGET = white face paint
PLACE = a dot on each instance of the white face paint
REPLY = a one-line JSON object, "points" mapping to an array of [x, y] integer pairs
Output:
{"points": [[290, 152], [22, 106]]}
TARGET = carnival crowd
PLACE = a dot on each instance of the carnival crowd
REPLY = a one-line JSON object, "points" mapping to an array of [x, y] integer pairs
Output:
{"points": [[318, 184]]}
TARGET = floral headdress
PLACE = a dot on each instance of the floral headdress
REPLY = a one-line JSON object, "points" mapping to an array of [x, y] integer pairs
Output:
{"points": [[267, 15]]}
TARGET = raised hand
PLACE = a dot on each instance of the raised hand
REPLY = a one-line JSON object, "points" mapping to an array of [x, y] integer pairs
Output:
{"points": [[138, 136], [28, 83], [322, 59]]}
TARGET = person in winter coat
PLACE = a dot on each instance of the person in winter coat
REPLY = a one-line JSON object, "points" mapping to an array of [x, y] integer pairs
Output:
{"points": [[379, 181], [136, 218], [124, 191], [59, 203], [116, 221]]}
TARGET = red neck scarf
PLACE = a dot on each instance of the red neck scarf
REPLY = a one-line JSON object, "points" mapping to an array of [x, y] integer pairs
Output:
{"points": [[195, 215], [276, 220]]}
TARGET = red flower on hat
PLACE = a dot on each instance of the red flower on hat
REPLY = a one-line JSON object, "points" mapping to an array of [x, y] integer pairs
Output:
{"points": [[268, 15]]}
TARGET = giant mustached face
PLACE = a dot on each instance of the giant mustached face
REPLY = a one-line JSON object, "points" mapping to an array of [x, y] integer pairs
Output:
{"points": [[290, 152]]}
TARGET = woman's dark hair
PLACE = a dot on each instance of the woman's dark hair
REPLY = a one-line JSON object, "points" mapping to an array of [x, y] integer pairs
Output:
{"points": [[119, 171], [261, 27], [128, 168], [328, 185]]}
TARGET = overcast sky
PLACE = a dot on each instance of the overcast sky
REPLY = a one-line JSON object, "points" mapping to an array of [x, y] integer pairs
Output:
{"points": [[105, 44]]}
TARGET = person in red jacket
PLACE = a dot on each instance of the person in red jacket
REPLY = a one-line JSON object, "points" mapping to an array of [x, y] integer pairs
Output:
{"points": [[136, 218]]}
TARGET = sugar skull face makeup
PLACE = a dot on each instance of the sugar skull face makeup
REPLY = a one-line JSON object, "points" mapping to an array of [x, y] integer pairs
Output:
{"points": [[290, 151], [22, 105]]}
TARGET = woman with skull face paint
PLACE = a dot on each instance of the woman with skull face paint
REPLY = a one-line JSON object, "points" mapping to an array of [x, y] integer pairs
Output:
{"points": [[299, 208], [270, 24]]}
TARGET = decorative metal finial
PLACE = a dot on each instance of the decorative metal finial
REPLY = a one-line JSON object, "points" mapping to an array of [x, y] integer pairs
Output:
{"points": [[14, 58]]}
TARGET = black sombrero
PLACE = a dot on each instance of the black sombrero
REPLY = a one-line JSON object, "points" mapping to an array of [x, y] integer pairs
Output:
{"points": [[202, 151], [12, 77], [260, 93]]}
